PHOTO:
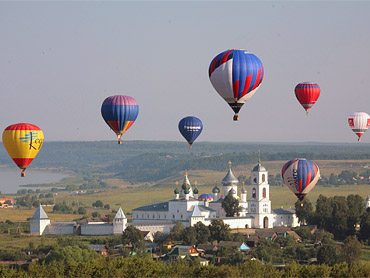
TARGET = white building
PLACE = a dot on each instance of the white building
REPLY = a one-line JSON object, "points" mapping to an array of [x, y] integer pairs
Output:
{"points": [[40, 225], [255, 211]]}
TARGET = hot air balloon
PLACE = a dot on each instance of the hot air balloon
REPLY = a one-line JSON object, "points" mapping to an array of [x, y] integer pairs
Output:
{"points": [[307, 93], [236, 75], [22, 142], [359, 122], [190, 127], [206, 196], [300, 175], [119, 112]]}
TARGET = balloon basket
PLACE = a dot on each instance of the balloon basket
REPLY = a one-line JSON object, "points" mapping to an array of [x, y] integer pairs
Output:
{"points": [[119, 142], [23, 174], [236, 118], [190, 147]]}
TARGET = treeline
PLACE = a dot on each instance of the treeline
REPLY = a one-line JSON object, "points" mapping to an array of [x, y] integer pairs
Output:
{"points": [[154, 167], [338, 215], [347, 177], [141, 267]]}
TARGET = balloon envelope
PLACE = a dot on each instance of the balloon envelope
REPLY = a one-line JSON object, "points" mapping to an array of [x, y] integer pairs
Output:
{"points": [[359, 122], [119, 112], [206, 196], [236, 75], [22, 142], [300, 175], [190, 127], [307, 94]]}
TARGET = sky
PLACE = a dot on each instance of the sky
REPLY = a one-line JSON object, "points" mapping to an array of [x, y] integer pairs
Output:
{"points": [[60, 60]]}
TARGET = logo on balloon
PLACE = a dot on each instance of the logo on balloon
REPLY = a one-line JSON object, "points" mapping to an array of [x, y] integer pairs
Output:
{"points": [[29, 138]]}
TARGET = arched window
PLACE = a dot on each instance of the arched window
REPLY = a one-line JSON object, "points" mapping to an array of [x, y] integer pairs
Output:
{"points": [[263, 177], [254, 193], [264, 192]]}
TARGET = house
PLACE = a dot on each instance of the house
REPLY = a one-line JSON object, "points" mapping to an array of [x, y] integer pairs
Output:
{"points": [[240, 246], [206, 249], [182, 250], [148, 236], [295, 236], [281, 231], [268, 234], [6, 202], [164, 241], [252, 241], [100, 249]]}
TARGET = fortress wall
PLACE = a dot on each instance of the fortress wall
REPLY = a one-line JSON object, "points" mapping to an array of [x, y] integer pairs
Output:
{"points": [[97, 229]]}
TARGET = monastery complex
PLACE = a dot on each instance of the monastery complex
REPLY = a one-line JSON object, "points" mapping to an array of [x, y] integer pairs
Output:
{"points": [[185, 207]]}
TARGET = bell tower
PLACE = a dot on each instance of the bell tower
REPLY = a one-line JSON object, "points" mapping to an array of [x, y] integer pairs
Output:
{"points": [[259, 202]]}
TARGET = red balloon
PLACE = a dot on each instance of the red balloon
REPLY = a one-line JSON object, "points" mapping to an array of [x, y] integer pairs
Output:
{"points": [[307, 93]]}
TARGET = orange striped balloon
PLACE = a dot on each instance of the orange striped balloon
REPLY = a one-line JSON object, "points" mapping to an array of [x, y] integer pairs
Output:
{"points": [[23, 142]]}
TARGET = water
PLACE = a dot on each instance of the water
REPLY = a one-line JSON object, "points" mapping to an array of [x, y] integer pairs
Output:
{"points": [[11, 180]]}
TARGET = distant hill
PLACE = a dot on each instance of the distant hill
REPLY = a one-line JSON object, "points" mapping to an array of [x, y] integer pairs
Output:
{"points": [[139, 161]]}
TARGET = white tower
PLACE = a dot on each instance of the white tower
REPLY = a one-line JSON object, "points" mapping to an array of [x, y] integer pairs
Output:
{"points": [[367, 204], [196, 216], [259, 203], [230, 183], [39, 221], [119, 222]]}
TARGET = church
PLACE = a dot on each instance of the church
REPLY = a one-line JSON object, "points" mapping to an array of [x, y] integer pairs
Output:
{"points": [[255, 209]]}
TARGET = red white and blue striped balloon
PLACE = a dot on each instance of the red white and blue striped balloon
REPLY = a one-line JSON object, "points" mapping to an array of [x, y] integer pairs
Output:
{"points": [[119, 112], [236, 75], [307, 94], [300, 175]]}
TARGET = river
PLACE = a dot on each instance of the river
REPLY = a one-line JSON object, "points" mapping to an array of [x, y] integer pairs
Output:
{"points": [[11, 180]]}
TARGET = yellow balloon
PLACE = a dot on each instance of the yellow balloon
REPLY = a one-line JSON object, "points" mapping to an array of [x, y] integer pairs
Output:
{"points": [[23, 142]]}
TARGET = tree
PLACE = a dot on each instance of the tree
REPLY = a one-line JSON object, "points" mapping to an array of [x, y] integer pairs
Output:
{"points": [[304, 210], [81, 210], [325, 237], [365, 226], [328, 254], [107, 206], [219, 230], [98, 204], [351, 249], [71, 254], [133, 236], [95, 214], [62, 208], [338, 222], [177, 230], [323, 211], [356, 208], [230, 205], [202, 233], [189, 236]]}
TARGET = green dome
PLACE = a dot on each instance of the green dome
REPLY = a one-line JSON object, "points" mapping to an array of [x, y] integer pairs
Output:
{"points": [[195, 191], [216, 190], [176, 191]]}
